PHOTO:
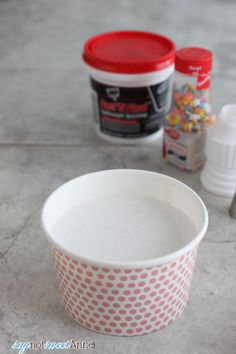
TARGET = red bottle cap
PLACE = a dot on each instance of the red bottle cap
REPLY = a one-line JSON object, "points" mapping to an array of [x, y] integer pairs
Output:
{"points": [[195, 62], [129, 52]]}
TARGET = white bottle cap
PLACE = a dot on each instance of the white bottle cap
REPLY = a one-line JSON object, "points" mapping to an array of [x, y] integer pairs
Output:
{"points": [[219, 174]]}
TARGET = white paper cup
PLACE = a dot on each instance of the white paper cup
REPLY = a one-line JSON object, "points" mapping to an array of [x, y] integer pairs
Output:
{"points": [[125, 297]]}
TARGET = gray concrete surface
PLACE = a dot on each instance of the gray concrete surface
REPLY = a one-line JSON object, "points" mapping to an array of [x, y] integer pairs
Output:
{"points": [[47, 138]]}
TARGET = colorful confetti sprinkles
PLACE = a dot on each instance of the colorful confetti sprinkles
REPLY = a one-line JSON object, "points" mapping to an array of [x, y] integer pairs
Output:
{"points": [[191, 110]]}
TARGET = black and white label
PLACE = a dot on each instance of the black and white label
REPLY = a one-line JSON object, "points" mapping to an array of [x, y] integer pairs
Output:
{"points": [[130, 112]]}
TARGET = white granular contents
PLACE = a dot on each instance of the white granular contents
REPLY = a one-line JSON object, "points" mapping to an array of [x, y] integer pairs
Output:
{"points": [[123, 228]]}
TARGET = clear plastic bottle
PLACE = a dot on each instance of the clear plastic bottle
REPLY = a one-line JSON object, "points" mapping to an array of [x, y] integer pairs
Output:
{"points": [[191, 113]]}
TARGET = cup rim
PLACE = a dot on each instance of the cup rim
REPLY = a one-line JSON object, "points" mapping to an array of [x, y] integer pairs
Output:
{"points": [[147, 263]]}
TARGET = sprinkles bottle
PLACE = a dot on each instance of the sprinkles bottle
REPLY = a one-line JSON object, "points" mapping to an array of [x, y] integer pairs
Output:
{"points": [[191, 113]]}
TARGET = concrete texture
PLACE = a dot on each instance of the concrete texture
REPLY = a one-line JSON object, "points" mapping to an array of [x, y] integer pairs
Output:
{"points": [[47, 138]]}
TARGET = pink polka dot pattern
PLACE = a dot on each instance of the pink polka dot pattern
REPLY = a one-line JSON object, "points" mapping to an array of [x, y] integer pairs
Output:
{"points": [[124, 302]]}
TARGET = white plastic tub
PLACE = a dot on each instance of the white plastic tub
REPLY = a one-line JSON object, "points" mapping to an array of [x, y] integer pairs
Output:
{"points": [[131, 80]]}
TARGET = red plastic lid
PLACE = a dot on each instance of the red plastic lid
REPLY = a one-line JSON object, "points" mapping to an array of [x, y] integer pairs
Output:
{"points": [[129, 52], [193, 60]]}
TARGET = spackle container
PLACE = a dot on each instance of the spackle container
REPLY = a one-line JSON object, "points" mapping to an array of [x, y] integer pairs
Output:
{"points": [[131, 77], [191, 114]]}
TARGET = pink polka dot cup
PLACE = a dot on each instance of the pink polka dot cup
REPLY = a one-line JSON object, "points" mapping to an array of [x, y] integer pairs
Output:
{"points": [[124, 244]]}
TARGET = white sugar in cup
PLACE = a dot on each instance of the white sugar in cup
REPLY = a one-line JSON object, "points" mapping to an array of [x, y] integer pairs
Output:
{"points": [[125, 243]]}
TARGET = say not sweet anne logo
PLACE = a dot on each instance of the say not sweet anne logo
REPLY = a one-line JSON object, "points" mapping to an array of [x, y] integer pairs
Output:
{"points": [[23, 347]]}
